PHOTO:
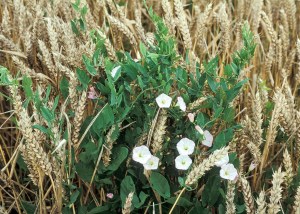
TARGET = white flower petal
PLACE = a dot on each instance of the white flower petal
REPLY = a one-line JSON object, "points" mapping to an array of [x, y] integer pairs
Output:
{"points": [[141, 154], [183, 162], [185, 146], [152, 163], [228, 172], [163, 101], [198, 128], [191, 117], [208, 139], [222, 161], [181, 103], [115, 70]]}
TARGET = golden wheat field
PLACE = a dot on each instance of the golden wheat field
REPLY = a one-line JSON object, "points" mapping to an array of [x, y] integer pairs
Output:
{"points": [[171, 106]]}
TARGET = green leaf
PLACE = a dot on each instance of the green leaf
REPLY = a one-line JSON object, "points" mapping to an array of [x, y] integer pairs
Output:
{"points": [[28, 207], [211, 191], [104, 120], [74, 27], [127, 186], [222, 139], [143, 49], [221, 209], [160, 184], [89, 66], [119, 154], [74, 197], [82, 24], [41, 128], [212, 84], [64, 87], [99, 209], [83, 78], [183, 202], [85, 171], [27, 86], [228, 114], [47, 114], [83, 10]]}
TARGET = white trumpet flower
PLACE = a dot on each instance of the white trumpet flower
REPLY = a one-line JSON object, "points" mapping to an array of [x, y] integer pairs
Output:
{"points": [[185, 146], [163, 101], [141, 154], [183, 162]]}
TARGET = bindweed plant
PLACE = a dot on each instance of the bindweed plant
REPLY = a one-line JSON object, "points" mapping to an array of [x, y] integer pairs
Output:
{"points": [[160, 125]]}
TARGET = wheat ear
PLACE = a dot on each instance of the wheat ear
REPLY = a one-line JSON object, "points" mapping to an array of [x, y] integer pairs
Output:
{"points": [[230, 205], [199, 170], [276, 192], [78, 117], [159, 132], [296, 206], [249, 202], [261, 203], [182, 24], [287, 163], [108, 146], [127, 206]]}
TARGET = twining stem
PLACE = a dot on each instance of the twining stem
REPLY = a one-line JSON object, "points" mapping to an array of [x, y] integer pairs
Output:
{"points": [[178, 197]]}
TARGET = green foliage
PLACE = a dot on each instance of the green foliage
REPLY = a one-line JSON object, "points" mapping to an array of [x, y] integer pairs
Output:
{"points": [[128, 98], [160, 184], [79, 24]]}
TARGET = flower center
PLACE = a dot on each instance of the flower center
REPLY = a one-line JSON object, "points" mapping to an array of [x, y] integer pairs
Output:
{"points": [[140, 155], [163, 102], [186, 148], [183, 162], [226, 173]]}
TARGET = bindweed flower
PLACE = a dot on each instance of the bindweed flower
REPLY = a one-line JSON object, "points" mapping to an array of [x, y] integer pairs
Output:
{"points": [[92, 93], [191, 117], [181, 103], [141, 154], [163, 101], [110, 195], [198, 128], [228, 172], [222, 161], [152, 163], [115, 70], [183, 162], [208, 139], [252, 166], [185, 146]]}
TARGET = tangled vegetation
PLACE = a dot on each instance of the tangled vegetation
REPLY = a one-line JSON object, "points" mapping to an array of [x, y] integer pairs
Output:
{"points": [[150, 106]]}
